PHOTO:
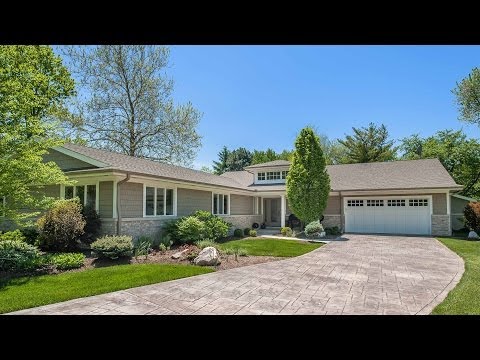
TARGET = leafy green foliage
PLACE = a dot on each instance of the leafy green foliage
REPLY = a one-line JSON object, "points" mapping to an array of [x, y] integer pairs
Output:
{"points": [[128, 103], [238, 233], [261, 156], [308, 183], [202, 244], [142, 246], [238, 159], [30, 234], [220, 166], [334, 230], [162, 248], [459, 155], [242, 252], [163, 240], [33, 86], [191, 229], [313, 229], [252, 233], [471, 215], [17, 255], [246, 231], [286, 231], [66, 261], [93, 224], [467, 92], [15, 235], [368, 144], [62, 226], [113, 246], [215, 227]]}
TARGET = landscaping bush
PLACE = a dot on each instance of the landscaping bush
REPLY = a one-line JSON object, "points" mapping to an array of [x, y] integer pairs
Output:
{"points": [[66, 261], [170, 229], [162, 248], [191, 229], [215, 227], [246, 231], [242, 252], [93, 224], [142, 246], [62, 226], [202, 244], [17, 255], [472, 216], [334, 230], [238, 233], [252, 233], [113, 246], [286, 231], [30, 234], [15, 235], [313, 229]]}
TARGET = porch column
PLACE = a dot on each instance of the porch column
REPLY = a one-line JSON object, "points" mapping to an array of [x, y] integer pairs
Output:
{"points": [[282, 210]]}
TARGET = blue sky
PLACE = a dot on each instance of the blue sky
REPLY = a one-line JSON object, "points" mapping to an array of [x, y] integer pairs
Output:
{"points": [[261, 96]]}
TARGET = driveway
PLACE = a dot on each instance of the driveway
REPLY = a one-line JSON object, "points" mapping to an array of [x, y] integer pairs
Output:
{"points": [[367, 274]]}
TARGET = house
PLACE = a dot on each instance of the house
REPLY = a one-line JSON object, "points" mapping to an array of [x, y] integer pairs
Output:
{"points": [[137, 196]]}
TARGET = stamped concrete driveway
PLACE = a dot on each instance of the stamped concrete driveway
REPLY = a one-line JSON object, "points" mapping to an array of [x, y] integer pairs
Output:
{"points": [[367, 274]]}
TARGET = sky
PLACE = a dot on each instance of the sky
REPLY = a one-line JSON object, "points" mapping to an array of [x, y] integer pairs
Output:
{"points": [[261, 96]]}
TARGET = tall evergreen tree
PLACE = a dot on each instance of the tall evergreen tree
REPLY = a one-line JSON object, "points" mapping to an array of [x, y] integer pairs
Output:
{"points": [[220, 166], [238, 159], [308, 183]]}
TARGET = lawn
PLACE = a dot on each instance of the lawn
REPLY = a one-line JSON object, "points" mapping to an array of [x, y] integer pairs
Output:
{"points": [[272, 247], [465, 297], [27, 292]]}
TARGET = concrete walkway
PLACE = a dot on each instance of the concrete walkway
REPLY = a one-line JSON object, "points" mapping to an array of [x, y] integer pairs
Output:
{"points": [[365, 275]]}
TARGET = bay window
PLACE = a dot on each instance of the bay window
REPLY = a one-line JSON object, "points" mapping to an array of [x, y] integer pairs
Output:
{"points": [[220, 204], [158, 201]]}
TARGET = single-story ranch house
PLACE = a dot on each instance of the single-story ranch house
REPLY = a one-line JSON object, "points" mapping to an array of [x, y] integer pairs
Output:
{"points": [[136, 196]]}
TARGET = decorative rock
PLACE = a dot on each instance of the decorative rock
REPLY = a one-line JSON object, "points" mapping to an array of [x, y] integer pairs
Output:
{"points": [[207, 257], [473, 235], [179, 254]]}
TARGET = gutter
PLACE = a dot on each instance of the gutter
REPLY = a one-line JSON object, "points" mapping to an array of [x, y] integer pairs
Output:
{"points": [[119, 214]]}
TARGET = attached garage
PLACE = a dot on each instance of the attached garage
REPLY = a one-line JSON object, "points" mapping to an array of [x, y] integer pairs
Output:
{"points": [[389, 215]]}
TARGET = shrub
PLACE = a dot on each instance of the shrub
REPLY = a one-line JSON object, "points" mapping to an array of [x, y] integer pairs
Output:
{"points": [[17, 255], [242, 252], [246, 231], [62, 226], [142, 246], [215, 227], [313, 229], [286, 231], [238, 233], [472, 216], [66, 261], [191, 229], [15, 235], [93, 224], [202, 244], [162, 248], [334, 230], [170, 229], [113, 246], [31, 234], [252, 233]]}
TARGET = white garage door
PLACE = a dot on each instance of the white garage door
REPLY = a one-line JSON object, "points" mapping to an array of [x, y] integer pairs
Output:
{"points": [[389, 215]]}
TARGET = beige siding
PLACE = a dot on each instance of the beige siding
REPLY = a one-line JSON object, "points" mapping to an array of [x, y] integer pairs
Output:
{"points": [[241, 205], [131, 200], [189, 201], [66, 162], [105, 199], [439, 204], [333, 206], [458, 205]]}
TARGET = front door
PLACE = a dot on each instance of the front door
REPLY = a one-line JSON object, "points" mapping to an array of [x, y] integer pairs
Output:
{"points": [[272, 212]]}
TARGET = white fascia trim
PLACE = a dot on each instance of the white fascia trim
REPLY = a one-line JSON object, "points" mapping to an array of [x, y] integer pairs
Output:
{"points": [[464, 197], [394, 192], [80, 157]]}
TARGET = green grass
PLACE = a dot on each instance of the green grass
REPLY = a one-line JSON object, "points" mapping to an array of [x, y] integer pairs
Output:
{"points": [[465, 297], [27, 292], [272, 247]]}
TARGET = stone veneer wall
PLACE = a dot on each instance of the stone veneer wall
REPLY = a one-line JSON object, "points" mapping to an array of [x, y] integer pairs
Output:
{"points": [[441, 225], [242, 221], [332, 220]]}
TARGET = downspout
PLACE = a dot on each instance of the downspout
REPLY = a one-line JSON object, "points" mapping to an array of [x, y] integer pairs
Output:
{"points": [[341, 211], [119, 215]]}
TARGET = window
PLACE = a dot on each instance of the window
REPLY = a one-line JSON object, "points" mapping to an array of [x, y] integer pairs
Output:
{"points": [[354, 202], [273, 175], [418, 202], [220, 204], [374, 202], [284, 174], [158, 201], [86, 193], [261, 176], [396, 202]]}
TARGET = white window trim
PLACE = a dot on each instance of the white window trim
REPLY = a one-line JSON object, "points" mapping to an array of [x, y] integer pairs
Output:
{"points": [[218, 202], [84, 200], [165, 188]]}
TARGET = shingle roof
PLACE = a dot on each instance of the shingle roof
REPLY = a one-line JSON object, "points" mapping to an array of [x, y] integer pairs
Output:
{"points": [[270, 163], [406, 174], [132, 164]]}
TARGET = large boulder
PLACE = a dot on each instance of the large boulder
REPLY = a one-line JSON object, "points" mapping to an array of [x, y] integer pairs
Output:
{"points": [[473, 235], [207, 257]]}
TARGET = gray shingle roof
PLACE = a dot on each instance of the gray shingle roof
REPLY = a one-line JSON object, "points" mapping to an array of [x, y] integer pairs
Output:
{"points": [[407, 174], [270, 163]]}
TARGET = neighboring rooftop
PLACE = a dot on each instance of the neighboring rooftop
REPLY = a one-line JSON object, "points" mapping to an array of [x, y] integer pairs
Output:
{"points": [[269, 164]]}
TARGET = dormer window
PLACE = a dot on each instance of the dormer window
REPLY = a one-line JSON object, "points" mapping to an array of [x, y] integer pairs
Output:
{"points": [[284, 174], [261, 176], [273, 175]]}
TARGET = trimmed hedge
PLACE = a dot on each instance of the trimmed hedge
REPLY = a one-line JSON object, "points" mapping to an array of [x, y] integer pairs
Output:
{"points": [[113, 246]]}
